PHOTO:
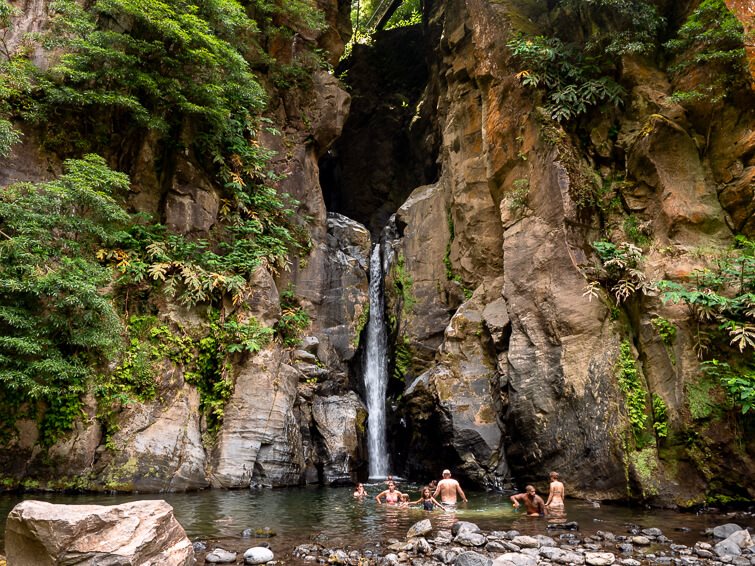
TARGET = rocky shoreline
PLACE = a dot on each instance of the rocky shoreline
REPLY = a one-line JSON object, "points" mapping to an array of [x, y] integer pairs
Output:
{"points": [[147, 533], [467, 545]]}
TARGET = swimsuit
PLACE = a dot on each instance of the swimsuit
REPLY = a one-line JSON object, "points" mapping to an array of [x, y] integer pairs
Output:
{"points": [[428, 504], [391, 497]]}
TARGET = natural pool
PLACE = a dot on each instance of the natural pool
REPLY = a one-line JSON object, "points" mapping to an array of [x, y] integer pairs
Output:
{"points": [[298, 515]]}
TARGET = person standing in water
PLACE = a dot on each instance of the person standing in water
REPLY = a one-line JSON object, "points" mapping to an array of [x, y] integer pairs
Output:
{"points": [[532, 502], [391, 495], [360, 491], [427, 500], [556, 495], [447, 489]]}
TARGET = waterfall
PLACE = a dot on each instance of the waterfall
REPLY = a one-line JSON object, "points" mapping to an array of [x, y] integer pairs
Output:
{"points": [[376, 372]]}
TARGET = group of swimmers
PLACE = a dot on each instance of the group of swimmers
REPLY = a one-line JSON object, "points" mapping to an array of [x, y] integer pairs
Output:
{"points": [[449, 488], [535, 505]]}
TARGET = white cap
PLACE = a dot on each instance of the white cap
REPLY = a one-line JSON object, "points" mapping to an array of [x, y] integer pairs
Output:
{"points": [[446, 472]]}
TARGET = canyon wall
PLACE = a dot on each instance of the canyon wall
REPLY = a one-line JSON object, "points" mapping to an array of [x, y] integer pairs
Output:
{"points": [[503, 366]]}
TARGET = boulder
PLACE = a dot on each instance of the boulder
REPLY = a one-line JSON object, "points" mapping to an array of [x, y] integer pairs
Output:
{"points": [[468, 538], [472, 559], [515, 559], [220, 556], [339, 420], [260, 442], [331, 107], [258, 555], [525, 541], [419, 529], [462, 526], [599, 558], [141, 532], [734, 544], [723, 531], [159, 443]]}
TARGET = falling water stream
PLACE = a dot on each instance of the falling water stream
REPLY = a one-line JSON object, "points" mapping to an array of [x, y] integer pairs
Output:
{"points": [[376, 372]]}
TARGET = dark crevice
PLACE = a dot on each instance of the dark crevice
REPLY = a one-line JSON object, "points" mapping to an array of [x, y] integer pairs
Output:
{"points": [[387, 146]]}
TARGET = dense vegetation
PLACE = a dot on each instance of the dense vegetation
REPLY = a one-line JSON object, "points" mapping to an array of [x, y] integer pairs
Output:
{"points": [[363, 17], [579, 75], [188, 75], [575, 67]]}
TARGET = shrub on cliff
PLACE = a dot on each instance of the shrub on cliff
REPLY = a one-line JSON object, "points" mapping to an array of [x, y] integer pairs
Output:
{"points": [[57, 326]]}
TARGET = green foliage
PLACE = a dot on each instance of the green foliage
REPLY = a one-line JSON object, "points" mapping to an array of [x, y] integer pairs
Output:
{"points": [[519, 196], [56, 326], [293, 320], [618, 27], [635, 232], [200, 270], [629, 381], [403, 284], [174, 60], [361, 323], [620, 274], [712, 39], [700, 398], [660, 416], [645, 465], [451, 275], [402, 359], [722, 296], [665, 329], [573, 81], [8, 137], [739, 383], [578, 76], [211, 370], [409, 13]]}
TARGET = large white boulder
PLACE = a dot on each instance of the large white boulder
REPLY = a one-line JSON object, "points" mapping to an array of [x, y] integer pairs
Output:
{"points": [[140, 532]]}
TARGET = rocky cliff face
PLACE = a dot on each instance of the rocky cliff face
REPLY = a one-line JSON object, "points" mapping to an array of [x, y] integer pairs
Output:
{"points": [[293, 416], [524, 378], [503, 366]]}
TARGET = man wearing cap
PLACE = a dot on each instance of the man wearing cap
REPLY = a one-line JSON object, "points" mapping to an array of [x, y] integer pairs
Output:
{"points": [[447, 488]]}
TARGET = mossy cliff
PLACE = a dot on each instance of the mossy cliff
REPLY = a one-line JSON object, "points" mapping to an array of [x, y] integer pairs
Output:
{"points": [[564, 190]]}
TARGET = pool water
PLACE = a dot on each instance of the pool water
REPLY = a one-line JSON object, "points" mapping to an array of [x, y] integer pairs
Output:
{"points": [[334, 518]]}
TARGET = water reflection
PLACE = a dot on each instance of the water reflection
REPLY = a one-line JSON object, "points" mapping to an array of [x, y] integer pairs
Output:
{"points": [[333, 516]]}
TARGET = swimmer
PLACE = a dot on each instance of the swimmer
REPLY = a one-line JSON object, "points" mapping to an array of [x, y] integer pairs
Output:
{"points": [[404, 500], [532, 502], [427, 500], [556, 494], [390, 494], [448, 488], [360, 491]]}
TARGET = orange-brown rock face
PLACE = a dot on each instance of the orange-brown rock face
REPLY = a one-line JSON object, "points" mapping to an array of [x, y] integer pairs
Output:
{"points": [[526, 343], [745, 12]]}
